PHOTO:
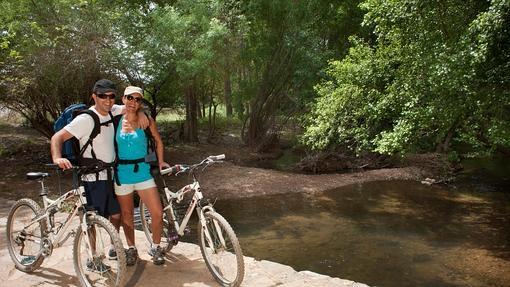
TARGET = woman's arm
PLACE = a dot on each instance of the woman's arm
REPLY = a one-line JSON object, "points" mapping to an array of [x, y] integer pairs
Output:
{"points": [[160, 152]]}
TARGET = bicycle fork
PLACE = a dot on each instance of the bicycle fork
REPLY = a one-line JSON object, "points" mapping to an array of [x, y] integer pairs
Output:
{"points": [[207, 232], [83, 224]]}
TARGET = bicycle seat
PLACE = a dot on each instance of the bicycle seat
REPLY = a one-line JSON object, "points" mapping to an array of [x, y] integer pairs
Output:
{"points": [[37, 175]]}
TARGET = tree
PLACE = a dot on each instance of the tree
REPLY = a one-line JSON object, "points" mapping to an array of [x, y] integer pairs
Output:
{"points": [[50, 56], [423, 84], [288, 44]]}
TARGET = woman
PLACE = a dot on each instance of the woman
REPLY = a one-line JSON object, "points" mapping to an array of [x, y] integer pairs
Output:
{"points": [[133, 174]]}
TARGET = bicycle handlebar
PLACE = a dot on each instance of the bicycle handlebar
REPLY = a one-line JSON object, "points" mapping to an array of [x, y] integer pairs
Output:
{"points": [[178, 168], [216, 157], [91, 167]]}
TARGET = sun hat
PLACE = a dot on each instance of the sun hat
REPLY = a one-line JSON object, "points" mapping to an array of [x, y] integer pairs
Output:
{"points": [[132, 90], [104, 86]]}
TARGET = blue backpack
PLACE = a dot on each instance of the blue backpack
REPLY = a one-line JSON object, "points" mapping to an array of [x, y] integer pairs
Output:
{"points": [[71, 148]]}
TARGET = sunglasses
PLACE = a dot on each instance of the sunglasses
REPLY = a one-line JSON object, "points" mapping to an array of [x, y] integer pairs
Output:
{"points": [[136, 99], [105, 96]]}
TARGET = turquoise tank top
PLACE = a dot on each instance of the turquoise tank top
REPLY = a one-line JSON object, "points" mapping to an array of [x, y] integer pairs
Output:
{"points": [[132, 145]]}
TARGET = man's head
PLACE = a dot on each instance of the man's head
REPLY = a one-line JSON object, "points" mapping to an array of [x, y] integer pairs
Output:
{"points": [[103, 93], [104, 86]]}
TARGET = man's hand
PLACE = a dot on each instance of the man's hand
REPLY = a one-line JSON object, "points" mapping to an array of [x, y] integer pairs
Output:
{"points": [[63, 163], [143, 120]]}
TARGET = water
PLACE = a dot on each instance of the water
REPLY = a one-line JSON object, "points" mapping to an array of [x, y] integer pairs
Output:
{"points": [[391, 233]]}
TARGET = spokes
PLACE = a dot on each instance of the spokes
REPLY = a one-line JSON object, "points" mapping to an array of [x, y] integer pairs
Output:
{"points": [[25, 240], [92, 258], [219, 251]]}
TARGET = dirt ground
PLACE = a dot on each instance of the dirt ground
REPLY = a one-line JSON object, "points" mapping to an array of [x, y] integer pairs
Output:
{"points": [[23, 150]]}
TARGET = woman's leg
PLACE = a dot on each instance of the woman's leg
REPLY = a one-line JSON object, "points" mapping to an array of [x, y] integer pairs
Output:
{"points": [[126, 209], [150, 198]]}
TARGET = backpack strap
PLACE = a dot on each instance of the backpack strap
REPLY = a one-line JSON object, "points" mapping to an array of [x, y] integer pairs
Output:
{"points": [[116, 122], [95, 131]]}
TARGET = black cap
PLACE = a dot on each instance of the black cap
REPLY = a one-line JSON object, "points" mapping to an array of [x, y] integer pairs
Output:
{"points": [[104, 86]]}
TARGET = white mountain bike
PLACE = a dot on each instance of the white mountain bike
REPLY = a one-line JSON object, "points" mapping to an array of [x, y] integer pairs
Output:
{"points": [[33, 232], [218, 242]]}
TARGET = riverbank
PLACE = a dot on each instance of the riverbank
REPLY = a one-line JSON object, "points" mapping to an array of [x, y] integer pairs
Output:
{"points": [[22, 150]]}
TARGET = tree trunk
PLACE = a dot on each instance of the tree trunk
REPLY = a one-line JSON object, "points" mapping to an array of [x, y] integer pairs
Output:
{"points": [[191, 126], [444, 145], [212, 119], [227, 93], [276, 78], [200, 114]]}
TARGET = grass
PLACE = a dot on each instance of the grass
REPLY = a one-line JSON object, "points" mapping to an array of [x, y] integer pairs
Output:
{"points": [[174, 118]]}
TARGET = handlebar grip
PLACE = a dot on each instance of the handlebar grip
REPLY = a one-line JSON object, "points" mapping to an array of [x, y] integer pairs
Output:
{"points": [[172, 169], [217, 157]]}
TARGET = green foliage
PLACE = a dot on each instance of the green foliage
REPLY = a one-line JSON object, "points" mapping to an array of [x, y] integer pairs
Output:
{"points": [[436, 78], [4, 151]]}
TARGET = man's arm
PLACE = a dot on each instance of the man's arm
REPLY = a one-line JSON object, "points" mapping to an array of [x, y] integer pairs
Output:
{"points": [[57, 140], [143, 119]]}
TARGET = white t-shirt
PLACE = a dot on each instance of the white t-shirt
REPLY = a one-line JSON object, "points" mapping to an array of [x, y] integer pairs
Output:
{"points": [[82, 126]]}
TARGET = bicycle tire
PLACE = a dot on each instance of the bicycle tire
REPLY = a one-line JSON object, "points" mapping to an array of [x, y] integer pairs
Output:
{"points": [[230, 254], [145, 219], [34, 260], [81, 260]]}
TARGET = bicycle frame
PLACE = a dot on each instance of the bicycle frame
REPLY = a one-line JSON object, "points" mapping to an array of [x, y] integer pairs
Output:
{"points": [[50, 207], [197, 197], [49, 204], [178, 196]]}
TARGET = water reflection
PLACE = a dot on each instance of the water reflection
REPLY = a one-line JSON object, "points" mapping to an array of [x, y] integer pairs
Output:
{"points": [[396, 233]]}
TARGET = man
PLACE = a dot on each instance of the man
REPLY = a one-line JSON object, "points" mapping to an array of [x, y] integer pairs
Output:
{"points": [[98, 187]]}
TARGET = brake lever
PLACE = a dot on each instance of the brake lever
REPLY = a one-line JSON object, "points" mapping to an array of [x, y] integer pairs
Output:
{"points": [[180, 171], [207, 165]]}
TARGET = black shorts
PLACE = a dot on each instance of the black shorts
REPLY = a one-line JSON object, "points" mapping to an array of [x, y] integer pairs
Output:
{"points": [[100, 195]]}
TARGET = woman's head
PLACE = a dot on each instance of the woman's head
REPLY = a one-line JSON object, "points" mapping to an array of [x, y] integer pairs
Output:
{"points": [[133, 97]]}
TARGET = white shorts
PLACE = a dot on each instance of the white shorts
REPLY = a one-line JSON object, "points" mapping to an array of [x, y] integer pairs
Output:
{"points": [[128, 188]]}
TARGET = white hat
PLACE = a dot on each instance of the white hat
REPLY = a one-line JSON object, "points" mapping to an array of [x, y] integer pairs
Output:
{"points": [[132, 89]]}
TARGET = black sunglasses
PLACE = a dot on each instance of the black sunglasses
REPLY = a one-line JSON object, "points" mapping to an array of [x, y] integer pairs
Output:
{"points": [[104, 96], [131, 98]]}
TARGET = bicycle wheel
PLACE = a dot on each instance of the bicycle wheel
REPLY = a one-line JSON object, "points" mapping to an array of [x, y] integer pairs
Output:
{"points": [[91, 263], [25, 243], [221, 250], [168, 235]]}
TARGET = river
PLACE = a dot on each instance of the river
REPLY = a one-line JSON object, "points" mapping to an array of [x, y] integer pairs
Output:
{"points": [[388, 233]]}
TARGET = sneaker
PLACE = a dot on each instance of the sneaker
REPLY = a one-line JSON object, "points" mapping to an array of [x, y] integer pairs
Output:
{"points": [[131, 256], [112, 254], [97, 265], [157, 255]]}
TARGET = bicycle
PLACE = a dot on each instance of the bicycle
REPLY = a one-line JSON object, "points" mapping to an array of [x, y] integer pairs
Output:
{"points": [[33, 232], [218, 243]]}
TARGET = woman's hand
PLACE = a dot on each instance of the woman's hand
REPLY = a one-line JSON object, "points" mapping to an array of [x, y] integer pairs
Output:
{"points": [[163, 165]]}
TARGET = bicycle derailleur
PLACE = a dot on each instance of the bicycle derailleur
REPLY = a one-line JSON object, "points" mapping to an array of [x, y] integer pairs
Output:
{"points": [[47, 247]]}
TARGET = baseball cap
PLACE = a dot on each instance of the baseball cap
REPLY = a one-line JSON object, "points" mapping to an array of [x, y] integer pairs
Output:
{"points": [[104, 86], [132, 89]]}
